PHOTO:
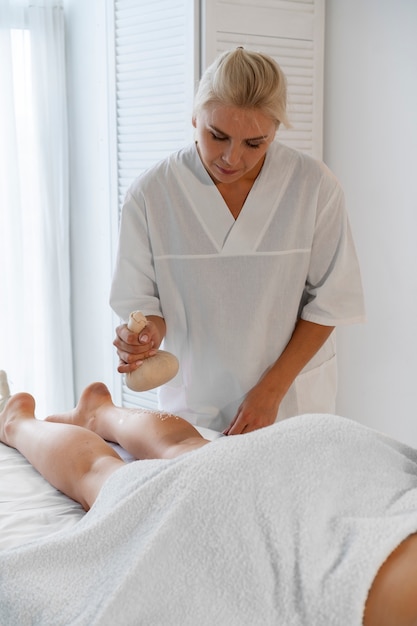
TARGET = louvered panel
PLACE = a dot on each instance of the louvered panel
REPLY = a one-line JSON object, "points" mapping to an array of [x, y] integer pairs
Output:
{"points": [[153, 83], [154, 58], [292, 32], [132, 399]]}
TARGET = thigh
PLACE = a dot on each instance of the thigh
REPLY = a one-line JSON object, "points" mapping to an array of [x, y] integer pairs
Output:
{"points": [[392, 599]]}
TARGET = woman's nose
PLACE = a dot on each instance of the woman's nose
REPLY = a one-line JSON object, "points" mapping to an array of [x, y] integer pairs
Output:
{"points": [[231, 154]]}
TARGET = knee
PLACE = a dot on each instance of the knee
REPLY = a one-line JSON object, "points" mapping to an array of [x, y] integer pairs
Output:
{"points": [[96, 473]]}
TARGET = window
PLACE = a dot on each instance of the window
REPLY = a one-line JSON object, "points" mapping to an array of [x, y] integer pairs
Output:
{"points": [[35, 332]]}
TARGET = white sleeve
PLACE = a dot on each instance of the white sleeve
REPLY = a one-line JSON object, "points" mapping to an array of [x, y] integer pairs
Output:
{"points": [[333, 293], [134, 285]]}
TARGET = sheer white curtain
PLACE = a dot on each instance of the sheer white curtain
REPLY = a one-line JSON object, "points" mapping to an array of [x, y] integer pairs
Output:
{"points": [[35, 328]]}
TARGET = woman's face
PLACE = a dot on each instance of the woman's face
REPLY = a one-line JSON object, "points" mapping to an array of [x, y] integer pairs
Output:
{"points": [[232, 141]]}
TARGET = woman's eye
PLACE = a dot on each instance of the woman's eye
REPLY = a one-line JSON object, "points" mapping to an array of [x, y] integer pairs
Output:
{"points": [[223, 138], [218, 137]]}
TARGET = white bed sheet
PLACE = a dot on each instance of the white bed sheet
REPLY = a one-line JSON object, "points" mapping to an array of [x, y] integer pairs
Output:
{"points": [[30, 507]]}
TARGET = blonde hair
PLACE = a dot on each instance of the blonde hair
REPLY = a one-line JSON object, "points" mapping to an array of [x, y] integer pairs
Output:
{"points": [[246, 79]]}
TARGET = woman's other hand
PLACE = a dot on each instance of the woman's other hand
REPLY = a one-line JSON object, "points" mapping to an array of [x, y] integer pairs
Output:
{"points": [[258, 409]]}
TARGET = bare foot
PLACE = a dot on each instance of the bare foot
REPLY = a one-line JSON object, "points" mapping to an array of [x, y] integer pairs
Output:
{"points": [[19, 406], [92, 399]]}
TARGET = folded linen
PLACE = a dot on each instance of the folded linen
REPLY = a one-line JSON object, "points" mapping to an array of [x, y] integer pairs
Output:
{"points": [[4, 389], [284, 526]]}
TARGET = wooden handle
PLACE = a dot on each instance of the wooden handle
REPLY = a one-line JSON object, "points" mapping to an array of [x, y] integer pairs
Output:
{"points": [[137, 322]]}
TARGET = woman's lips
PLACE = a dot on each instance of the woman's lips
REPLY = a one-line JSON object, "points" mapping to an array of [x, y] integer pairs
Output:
{"points": [[226, 172]]}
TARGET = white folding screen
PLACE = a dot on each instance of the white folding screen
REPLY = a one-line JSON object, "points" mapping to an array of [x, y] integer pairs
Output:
{"points": [[292, 32], [153, 70], [160, 46]]}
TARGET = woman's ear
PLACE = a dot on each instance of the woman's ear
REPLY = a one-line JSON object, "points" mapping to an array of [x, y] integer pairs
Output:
{"points": [[194, 121]]}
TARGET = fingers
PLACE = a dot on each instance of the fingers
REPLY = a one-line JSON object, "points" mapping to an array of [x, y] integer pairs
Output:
{"points": [[237, 427], [258, 409], [132, 348], [246, 421], [242, 429], [127, 368]]}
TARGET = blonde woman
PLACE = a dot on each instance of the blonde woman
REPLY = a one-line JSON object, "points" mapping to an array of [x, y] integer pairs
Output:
{"points": [[238, 251]]}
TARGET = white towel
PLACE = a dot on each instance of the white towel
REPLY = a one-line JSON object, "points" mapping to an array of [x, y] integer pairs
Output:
{"points": [[285, 526]]}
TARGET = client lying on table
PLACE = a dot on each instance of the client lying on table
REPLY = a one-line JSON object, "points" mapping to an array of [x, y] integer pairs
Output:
{"points": [[307, 522]]}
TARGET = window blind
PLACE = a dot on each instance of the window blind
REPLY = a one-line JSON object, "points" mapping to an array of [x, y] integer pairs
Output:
{"points": [[155, 67], [154, 76], [292, 32]]}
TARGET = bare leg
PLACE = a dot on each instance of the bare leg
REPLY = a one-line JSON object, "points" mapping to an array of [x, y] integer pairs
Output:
{"points": [[392, 600], [144, 434], [73, 459]]}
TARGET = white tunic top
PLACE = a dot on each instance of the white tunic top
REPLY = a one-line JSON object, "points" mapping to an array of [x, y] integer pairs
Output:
{"points": [[231, 291]]}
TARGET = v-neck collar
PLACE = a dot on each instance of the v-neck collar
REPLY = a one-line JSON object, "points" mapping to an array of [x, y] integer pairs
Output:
{"points": [[242, 235]]}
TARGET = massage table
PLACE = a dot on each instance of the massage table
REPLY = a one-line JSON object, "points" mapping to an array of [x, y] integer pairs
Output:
{"points": [[285, 526], [30, 507]]}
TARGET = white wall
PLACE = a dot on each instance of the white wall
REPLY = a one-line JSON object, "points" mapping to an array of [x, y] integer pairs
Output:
{"points": [[371, 144], [91, 222]]}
